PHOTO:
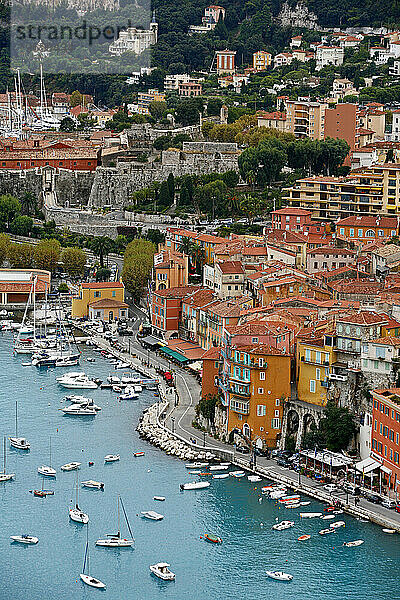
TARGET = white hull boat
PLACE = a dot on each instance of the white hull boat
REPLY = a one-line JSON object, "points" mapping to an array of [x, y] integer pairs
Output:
{"points": [[221, 476], [72, 466], [97, 485], [78, 384], [111, 458], [327, 517], [25, 539], [326, 531], [279, 575], [47, 471], [353, 544], [162, 571], [276, 494], [236, 473], [197, 465], [115, 540], [283, 525], [195, 485], [253, 478], [337, 524], [152, 515], [77, 515], [19, 443], [159, 498], [79, 410], [6, 477], [219, 467], [310, 515], [92, 581]]}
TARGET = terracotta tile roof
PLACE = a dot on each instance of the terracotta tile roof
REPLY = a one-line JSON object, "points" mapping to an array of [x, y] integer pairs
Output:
{"points": [[363, 318], [11, 286], [230, 266], [262, 349], [108, 303], [292, 211], [331, 250], [368, 221], [387, 341], [214, 353], [178, 292]]}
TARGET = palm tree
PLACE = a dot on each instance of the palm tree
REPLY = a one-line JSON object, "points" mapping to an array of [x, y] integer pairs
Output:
{"points": [[186, 246], [198, 255], [101, 246]]}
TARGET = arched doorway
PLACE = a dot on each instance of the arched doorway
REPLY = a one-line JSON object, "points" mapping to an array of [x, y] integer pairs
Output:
{"points": [[246, 430]]}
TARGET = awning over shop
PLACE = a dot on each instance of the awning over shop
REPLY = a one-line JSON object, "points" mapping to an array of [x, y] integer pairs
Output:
{"points": [[331, 459], [175, 355], [152, 341], [369, 464]]}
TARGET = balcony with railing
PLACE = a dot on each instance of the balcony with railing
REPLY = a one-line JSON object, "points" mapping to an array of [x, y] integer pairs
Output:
{"points": [[240, 407], [243, 391]]}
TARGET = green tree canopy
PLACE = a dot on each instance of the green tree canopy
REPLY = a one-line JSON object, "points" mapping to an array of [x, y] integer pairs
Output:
{"points": [[138, 262], [74, 260], [47, 254]]}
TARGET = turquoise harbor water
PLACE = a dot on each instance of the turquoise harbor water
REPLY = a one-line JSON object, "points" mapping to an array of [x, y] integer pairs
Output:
{"points": [[322, 568]]}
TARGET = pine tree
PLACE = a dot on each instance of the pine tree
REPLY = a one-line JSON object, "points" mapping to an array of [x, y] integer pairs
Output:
{"points": [[171, 186], [164, 197]]}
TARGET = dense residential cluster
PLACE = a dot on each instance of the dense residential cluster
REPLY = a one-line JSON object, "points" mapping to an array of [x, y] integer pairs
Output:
{"points": [[285, 322]]}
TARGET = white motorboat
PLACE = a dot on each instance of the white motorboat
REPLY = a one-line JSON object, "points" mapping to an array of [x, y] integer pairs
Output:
{"points": [[195, 485], [72, 466], [90, 483], [122, 365], [275, 494], [162, 571], [327, 517], [326, 531], [387, 530], [25, 539], [337, 524], [310, 515], [292, 505], [85, 577], [283, 525], [111, 458], [353, 544], [79, 410], [237, 473], [47, 471], [219, 467], [152, 515], [83, 401], [289, 499], [115, 540], [83, 383], [113, 379], [197, 465], [253, 478], [221, 476], [20, 443], [67, 361], [71, 375], [129, 394], [132, 379], [159, 498], [305, 503], [279, 575]]}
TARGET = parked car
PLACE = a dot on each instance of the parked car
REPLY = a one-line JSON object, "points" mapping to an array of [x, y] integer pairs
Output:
{"points": [[349, 487], [397, 509], [330, 487], [371, 497], [282, 462], [388, 503], [242, 449], [260, 452]]}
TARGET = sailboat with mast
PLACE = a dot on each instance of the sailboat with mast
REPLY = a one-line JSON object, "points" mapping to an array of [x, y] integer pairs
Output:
{"points": [[4, 476], [76, 514], [18, 442], [114, 540], [47, 470], [86, 578]]}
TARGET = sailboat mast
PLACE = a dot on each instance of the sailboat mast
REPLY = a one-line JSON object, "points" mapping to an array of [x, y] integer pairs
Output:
{"points": [[50, 452], [16, 418], [4, 455], [34, 308], [126, 518], [119, 533]]}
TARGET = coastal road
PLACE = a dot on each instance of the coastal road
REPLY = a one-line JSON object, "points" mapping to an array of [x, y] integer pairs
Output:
{"points": [[179, 419]]}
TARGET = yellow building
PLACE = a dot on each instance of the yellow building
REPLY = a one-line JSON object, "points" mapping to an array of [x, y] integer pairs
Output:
{"points": [[305, 119], [314, 358], [261, 60], [171, 269], [100, 301], [254, 384]]}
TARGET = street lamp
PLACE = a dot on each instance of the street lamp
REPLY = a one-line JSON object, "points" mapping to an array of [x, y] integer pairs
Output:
{"points": [[173, 424], [204, 439]]}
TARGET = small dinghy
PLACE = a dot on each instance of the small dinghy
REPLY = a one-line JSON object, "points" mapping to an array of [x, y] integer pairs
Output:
{"points": [[337, 524], [302, 538], [25, 539], [197, 465], [137, 454], [194, 485], [70, 466], [221, 476], [237, 474], [292, 505], [42, 493], [213, 539], [92, 581], [97, 485], [152, 515], [279, 575], [289, 499], [327, 531], [283, 525], [276, 494], [253, 478], [219, 467], [353, 544], [327, 517], [162, 571], [305, 503], [386, 530], [310, 515], [159, 498], [111, 458]]}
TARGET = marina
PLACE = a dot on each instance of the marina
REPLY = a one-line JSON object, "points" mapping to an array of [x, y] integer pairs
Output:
{"points": [[229, 507]]}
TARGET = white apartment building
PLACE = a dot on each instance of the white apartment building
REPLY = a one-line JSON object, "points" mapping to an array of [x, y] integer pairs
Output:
{"points": [[134, 40], [171, 82], [379, 54], [329, 55]]}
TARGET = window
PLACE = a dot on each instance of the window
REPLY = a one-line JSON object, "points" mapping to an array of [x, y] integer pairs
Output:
{"points": [[262, 375], [260, 391], [277, 402], [312, 386], [380, 352], [318, 356], [318, 374], [113, 294], [98, 313], [275, 423], [260, 362], [341, 231], [370, 233], [97, 294], [308, 354], [351, 232], [261, 410], [360, 233], [276, 414]]}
